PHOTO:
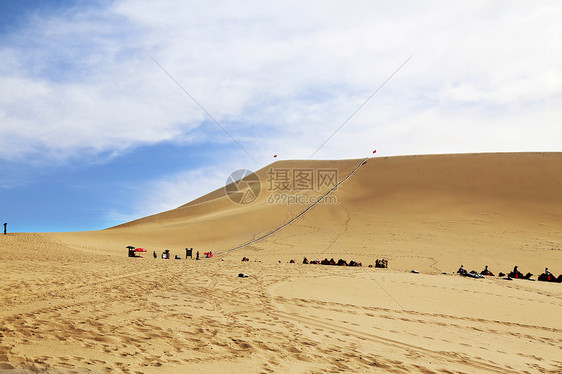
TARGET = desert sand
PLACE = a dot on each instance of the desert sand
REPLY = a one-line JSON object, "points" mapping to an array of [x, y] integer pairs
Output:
{"points": [[73, 302]]}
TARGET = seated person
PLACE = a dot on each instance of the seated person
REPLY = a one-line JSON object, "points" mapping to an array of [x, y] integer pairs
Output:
{"points": [[487, 272], [547, 276], [516, 273]]}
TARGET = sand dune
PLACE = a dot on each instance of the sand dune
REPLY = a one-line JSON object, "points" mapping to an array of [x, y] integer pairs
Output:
{"points": [[426, 212], [72, 302]]}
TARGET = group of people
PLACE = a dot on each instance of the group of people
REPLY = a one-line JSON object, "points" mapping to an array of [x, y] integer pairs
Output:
{"points": [[515, 274], [340, 262], [166, 255], [381, 263]]}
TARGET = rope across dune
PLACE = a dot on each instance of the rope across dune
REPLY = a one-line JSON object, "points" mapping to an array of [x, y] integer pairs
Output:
{"points": [[298, 215]]}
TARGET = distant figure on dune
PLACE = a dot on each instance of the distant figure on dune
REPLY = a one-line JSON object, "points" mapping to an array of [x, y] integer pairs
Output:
{"points": [[518, 275], [515, 273], [292, 261], [462, 270], [131, 251], [155, 255], [5, 224], [547, 276], [305, 261], [197, 257], [341, 262], [381, 263], [487, 272]]}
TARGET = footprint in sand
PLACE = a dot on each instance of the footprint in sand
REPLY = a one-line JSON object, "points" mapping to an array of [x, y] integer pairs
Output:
{"points": [[4, 365]]}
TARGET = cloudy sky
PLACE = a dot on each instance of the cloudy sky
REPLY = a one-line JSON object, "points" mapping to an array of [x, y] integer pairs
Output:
{"points": [[101, 117]]}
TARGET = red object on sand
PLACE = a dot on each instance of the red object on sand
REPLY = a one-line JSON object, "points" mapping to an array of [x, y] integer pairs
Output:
{"points": [[140, 250]]}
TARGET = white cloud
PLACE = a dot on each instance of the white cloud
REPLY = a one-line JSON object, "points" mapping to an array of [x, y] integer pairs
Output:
{"points": [[174, 190], [282, 76]]}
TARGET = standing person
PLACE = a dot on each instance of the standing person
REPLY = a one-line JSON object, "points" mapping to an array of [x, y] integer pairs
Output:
{"points": [[197, 258], [5, 224], [154, 254]]}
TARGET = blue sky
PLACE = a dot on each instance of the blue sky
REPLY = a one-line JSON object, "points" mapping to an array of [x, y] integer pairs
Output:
{"points": [[94, 133]]}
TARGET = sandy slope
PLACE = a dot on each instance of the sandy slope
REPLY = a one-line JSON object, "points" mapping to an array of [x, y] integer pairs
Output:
{"points": [[73, 302], [431, 213]]}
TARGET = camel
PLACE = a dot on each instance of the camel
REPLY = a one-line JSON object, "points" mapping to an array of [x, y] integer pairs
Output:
{"points": [[549, 277], [472, 274], [328, 262], [487, 272], [381, 263], [518, 275]]}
